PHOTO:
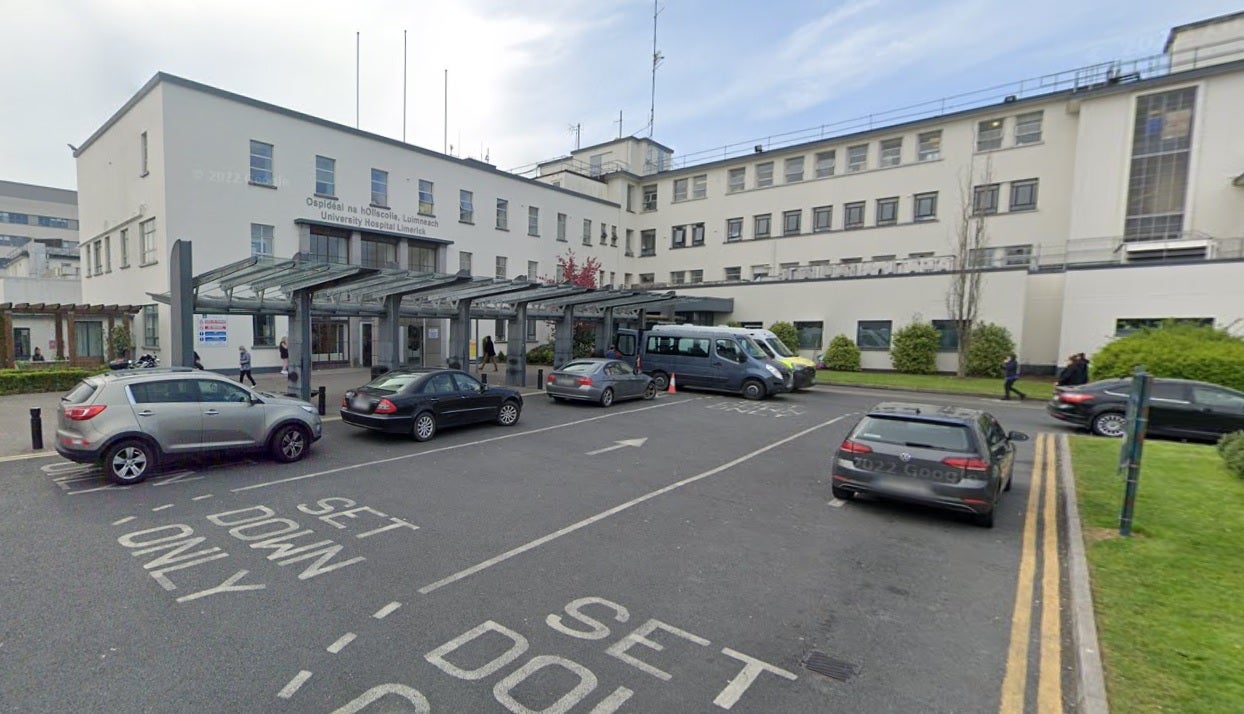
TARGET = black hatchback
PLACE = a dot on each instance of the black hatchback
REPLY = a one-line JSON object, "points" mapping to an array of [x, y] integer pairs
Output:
{"points": [[949, 457], [1179, 408], [421, 402]]}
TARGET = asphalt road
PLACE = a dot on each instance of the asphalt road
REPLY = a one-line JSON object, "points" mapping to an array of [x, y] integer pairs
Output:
{"points": [[548, 566]]}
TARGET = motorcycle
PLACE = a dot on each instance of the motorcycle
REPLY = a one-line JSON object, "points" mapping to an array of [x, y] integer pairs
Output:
{"points": [[146, 361]]}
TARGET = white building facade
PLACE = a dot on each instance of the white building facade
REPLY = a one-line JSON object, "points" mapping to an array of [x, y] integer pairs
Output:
{"points": [[1111, 198]]}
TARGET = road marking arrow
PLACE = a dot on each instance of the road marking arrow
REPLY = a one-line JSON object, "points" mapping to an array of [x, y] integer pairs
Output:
{"points": [[619, 445]]}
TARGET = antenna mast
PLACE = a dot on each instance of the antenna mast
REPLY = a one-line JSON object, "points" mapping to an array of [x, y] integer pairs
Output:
{"points": [[656, 61]]}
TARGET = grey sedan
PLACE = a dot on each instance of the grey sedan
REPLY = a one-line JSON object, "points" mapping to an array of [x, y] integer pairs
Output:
{"points": [[603, 381]]}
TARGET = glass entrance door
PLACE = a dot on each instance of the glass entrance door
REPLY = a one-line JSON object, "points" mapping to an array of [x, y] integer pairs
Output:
{"points": [[330, 342]]}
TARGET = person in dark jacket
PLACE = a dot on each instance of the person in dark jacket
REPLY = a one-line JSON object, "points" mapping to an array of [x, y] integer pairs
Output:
{"points": [[1067, 374], [1081, 373], [1010, 370]]}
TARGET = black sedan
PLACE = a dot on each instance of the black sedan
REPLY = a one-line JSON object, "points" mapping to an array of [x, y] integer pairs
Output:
{"points": [[1178, 408], [602, 381], [421, 402]]}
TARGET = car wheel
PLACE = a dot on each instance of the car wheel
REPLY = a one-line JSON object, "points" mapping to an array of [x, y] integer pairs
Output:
{"points": [[753, 389], [661, 381], [555, 399], [650, 391], [507, 415], [606, 397], [984, 520], [129, 462], [842, 494], [424, 427], [290, 443], [1111, 424]]}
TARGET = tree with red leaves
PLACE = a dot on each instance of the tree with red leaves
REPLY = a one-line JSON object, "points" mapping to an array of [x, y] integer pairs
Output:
{"points": [[581, 274]]}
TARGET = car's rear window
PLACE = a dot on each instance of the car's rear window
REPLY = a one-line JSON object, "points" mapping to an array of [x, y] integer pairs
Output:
{"points": [[80, 393], [393, 382], [915, 433], [578, 367]]}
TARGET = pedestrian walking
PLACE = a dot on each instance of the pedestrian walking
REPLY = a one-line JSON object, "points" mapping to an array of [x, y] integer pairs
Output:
{"points": [[198, 363], [244, 366], [490, 354], [284, 347], [1010, 369], [1081, 373], [1067, 374]]}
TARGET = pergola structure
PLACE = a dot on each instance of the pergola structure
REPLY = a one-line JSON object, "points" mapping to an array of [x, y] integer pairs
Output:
{"points": [[65, 316], [303, 287]]}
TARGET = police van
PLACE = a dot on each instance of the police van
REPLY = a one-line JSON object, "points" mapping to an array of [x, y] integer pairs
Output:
{"points": [[704, 358]]}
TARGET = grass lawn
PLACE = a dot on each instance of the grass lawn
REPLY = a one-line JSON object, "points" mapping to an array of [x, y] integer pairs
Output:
{"points": [[1168, 600], [1036, 388]]}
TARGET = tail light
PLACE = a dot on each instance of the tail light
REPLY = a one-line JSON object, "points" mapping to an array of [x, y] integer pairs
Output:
{"points": [[854, 447], [1075, 397], [550, 378], [83, 413], [386, 407], [965, 463], [583, 381]]}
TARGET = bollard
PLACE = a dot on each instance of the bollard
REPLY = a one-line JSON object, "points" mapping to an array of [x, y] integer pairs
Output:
{"points": [[323, 394], [540, 379], [36, 429], [483, 378]]}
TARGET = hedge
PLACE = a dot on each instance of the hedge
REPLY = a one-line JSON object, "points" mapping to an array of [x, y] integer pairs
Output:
{"points": [[25, 381], [1175, 351], [1231, 448], [842, 355]]}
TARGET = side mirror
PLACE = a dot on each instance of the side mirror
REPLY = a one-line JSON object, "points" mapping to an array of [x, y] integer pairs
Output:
{"points": [[742, 358], [1017, 436]]}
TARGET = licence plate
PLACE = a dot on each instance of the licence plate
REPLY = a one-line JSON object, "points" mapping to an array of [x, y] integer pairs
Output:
{"points": [[360, 405], [917, 471], [566, 381]]}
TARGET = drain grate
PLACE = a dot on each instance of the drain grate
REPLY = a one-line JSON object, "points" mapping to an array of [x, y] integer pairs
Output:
{"points": [[822, 663]]}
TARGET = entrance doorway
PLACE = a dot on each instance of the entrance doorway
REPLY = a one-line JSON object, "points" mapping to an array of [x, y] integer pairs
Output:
{"points": [[414, 346], [366, 344], [330, 342]]}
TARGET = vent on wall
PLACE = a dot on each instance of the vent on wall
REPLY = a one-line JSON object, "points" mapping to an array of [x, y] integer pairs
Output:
{"points": [[1158, 251]]}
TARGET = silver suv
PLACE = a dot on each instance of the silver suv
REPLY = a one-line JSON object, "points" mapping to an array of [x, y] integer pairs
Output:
{"points": [[134, 419]]}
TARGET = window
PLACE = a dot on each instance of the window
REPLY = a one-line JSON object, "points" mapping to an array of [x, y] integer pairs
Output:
{"points": [[630, 198], [263, 330], [108, 254], [985, 199], [99, 259], [147, 228], [825, 163], [734, 273], [790, 222], [533, 270], [464, 262], [872, 334], [677, 277], [531, 331], [695, 276], [760, 226], [1024, 195], [466, 206], [853, 215], [596, 164], [680, 189], [142, 152], [502, 267], [1220, 398], [929, 146], [949, 336], [887, 211], [498, 330], [261, 239], [810, 335], [13, 217], [764, 174], [325, 176], [989, 135], [822, 217], [699, 186], [857, 158], [151, 326], [1126, 326], [925, 208], [736, 180], [603, 235], [329, 245], [380, 188], [1028, 128], [650, 198], [794, 169], [533, 222], [678, 237], [378, 253], [427, 202], [125, 247], [630, 242], [503, 214], [613, 237], [734, 229], [421, 259], [1158, 182], [647, 278], [647, 243], [892, 152], [261, 163], [562, 223], [587, 231], [697, 234], [760, 271]]}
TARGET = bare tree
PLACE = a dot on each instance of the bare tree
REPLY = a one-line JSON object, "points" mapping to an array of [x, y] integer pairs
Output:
{"points": [[970, 241]]}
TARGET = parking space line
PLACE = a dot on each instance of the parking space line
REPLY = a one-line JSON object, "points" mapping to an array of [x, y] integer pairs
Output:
{"points": [[127, 519], [161, 508], [341, 642], [386, 610], [22, 457], [511, 435], [617, 509], [294, 685]]}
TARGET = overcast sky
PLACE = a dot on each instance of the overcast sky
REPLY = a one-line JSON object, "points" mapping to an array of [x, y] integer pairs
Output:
{"points": [[520, 74]]}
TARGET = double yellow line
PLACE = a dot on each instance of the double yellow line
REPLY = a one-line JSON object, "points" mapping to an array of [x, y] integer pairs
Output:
{"points": [[1042, 511]]}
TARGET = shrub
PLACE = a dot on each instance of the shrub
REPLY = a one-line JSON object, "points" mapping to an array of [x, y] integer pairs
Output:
{"points": [[1175, 351], [842, 355], [25, 381], [787, 333], [1231, 448], [913, 349], [988, 347], [542, 354]]}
